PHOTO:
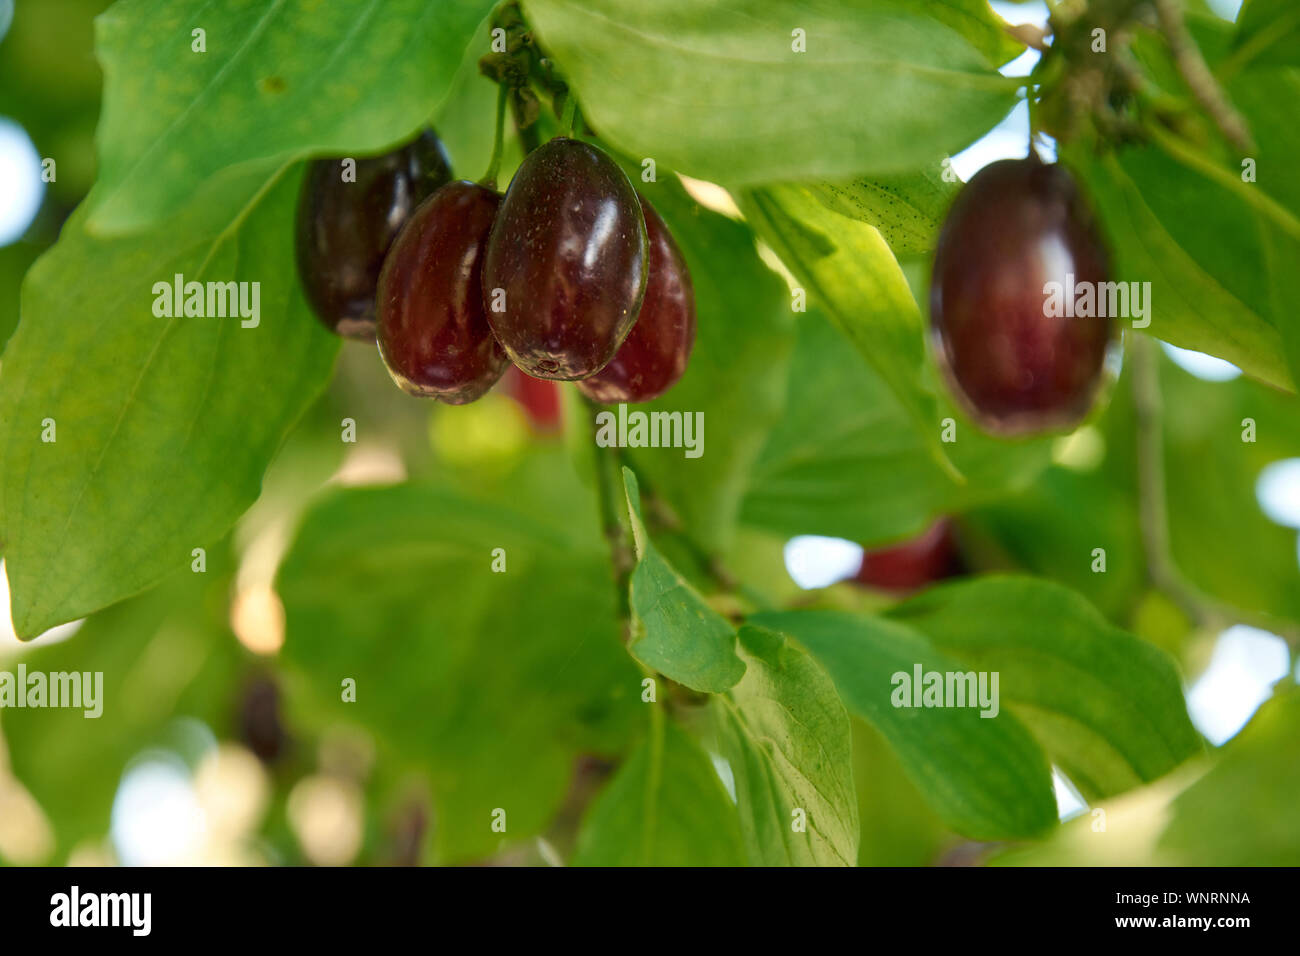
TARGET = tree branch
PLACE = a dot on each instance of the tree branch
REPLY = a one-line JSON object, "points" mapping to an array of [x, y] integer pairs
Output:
{"points": [[1196, 74], [1153, 514]]}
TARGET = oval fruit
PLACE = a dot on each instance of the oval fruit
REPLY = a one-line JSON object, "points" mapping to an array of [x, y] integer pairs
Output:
{"points": [[344, 229], [433, 331], [654, 355], [566, 264], [1018, 364]]}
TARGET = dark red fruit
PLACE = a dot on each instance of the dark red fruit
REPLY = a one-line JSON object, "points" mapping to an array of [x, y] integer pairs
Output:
{"points": [[1016, 226], [569, 253], [433, 334], [654, 355], [930, 557], [344, 229]]}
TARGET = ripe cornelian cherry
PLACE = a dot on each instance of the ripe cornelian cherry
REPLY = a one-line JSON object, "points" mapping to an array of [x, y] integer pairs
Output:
{"points": [[1017, 365], [346, 226], [655, 353], [433, 333], [566, 265]]}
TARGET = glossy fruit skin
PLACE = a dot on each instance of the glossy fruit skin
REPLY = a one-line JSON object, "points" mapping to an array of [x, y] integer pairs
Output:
{"points": [[344, 229], [569, 251], [433, 331], [654, 355], [910, 565], [1017, 225]]}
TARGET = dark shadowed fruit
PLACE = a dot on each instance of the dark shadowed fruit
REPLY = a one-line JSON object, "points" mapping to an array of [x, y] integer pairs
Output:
{"points": [[261, 722], [1015, 227], [568, 253], [344, 229], [433, 334], [910, 565], [654, 355]]}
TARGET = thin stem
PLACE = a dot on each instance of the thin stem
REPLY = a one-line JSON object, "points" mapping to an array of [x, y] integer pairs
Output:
{"points": [[570, 116], [609, 483], [1196, 74], [529, 138], [621, 555], [1153, 515], [494, 164]]}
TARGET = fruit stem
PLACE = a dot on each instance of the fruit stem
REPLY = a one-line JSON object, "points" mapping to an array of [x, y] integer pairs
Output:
{"points": [[609, 465], [623, 559], [1153, 516], [1196, 74], [494, 164], [570, 117]]}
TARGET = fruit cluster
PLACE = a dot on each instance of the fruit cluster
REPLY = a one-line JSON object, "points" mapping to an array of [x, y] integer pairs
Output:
{"points": [[571, 275]]}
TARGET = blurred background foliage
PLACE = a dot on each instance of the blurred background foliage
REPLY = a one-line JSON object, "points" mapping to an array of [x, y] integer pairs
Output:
{"points": [[224, 738]]}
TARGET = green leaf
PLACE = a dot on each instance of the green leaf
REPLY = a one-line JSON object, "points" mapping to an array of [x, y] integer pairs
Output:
{"points": [[1054, 525], [716, 90], [848, 268], [664, 807], [846, 460], [1243, 811], [1167, 228], [490, 682], [1107, 706], [277, 82], [1268, 34], [907, 209], [898, 827], [786, 736], [674, 631], [1216, 246], [736, 375], [976, 21], [163, 425], [985, 776]]}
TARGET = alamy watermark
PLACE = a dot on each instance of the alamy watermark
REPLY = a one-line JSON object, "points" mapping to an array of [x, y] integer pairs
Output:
{"points": [[75, 908], [1098, 300], [208, 300], [923, 688], [82, 690], [638, 429]]}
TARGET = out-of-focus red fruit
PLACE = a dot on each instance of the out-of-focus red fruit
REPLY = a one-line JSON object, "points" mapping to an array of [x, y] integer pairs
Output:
{"points": [[911, 565], [654, 355], [1016, 368], [539, 397]]}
